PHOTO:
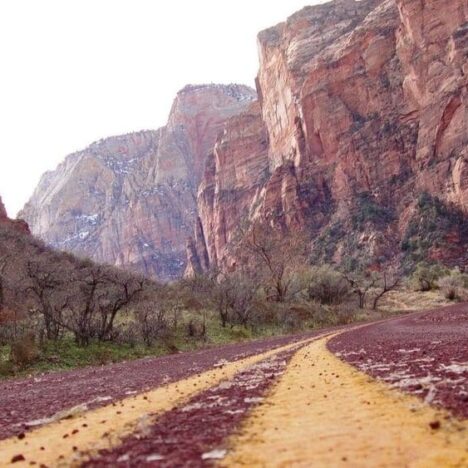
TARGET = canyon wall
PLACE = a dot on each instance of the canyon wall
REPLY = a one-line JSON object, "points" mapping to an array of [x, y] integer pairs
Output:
{"points": [[130, 200], [357, 135], [364, 108]]}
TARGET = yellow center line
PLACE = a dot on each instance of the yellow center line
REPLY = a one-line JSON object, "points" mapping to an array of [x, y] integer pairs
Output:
{"points": [[60, 443], [325, 413]]}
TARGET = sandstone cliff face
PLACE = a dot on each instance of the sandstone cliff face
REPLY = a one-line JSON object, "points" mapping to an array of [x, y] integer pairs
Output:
{"points": [[365, 109], [358, 137], [234, 175], [130, 200], [432, 44]]}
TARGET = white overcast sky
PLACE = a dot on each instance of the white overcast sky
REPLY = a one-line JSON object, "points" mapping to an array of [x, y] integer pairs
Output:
{"points": [[74, 71]]}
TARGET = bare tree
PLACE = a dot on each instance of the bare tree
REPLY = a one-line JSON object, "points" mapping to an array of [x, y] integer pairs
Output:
{"points": [[224, 299], [118, 291], [388, 282], [54, 293], [361, 285], [84, 305], [234, 298], [276, 255], [151, 321], [44, 281], [372, 282]]}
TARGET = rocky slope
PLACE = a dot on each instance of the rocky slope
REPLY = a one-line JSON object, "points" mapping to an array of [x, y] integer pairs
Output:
{"points": [[130, 200], [18, 224], [360, 137], [3, 213]]}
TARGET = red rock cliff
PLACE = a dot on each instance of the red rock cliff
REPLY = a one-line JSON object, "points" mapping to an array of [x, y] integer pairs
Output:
{"points": [[364, 108], [130, 200]]}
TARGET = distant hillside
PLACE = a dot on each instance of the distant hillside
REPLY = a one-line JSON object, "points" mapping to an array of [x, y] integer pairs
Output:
{"points": [[130, 200], [50, 293]]}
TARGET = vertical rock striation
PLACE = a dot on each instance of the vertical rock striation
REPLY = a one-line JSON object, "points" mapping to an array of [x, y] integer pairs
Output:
{"points": [[358, 137], [130, 200], [364, 107], [234, 176]]}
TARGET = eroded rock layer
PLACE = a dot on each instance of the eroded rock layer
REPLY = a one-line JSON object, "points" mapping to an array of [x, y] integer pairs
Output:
{"points": [[130, 200], [358, 138], [364, 108]]}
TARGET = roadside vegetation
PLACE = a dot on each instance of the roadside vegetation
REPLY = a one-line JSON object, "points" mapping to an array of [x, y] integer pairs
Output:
{"points": [[61, 312]]}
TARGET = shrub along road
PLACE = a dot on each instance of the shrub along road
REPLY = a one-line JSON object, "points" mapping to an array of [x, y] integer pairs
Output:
{"points": [[281, 402]]}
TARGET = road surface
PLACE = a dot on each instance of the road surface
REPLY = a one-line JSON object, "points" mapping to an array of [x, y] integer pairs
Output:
{"points": [[392, 393]]}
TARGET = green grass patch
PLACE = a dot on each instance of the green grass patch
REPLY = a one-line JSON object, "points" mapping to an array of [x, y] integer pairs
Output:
{"points": [[66, 354]]}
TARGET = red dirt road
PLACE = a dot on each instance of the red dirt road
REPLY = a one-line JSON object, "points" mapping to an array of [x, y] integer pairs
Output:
{"points": [[425, 354], [193, 434], [24, 402]]}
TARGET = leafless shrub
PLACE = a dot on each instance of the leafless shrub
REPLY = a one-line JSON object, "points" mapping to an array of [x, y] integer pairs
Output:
{"points": [[235, 298], [451, 286], [334, 315], [151, 322], [292, 317], [24, 351], [327, 285], [196, 328], [345, 313]]}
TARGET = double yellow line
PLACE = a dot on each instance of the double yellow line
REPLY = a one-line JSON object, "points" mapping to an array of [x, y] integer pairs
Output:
{"points": [[325, 413], [68, 441], [322, 413]]}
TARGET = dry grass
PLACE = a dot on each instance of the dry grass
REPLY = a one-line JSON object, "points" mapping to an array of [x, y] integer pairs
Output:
{"points": [[406, 300]]}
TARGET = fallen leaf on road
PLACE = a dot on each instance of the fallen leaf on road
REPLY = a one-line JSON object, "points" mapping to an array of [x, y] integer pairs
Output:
{"points": [[216, 454]]}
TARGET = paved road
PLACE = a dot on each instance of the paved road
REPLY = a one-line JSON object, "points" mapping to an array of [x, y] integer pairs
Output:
{"points": [[336, 397], [425, 354], [25, 402]]}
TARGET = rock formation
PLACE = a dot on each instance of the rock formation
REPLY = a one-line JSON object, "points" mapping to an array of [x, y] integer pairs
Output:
{"points": [[130, 200], [364, 108], [3, 213], [234, 176], [18, 224], [358, 137]]}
